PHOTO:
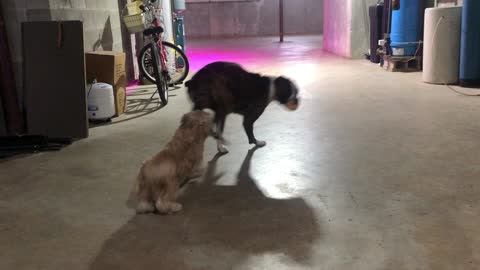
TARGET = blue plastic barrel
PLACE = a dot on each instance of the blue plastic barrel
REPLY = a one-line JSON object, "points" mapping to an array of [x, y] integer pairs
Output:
{"points": [[179, 26], [470, 45], [406, 24]]}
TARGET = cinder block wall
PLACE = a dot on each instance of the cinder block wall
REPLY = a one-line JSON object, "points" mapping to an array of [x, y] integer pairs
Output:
{"points": [[252, 18], [101, 20]]}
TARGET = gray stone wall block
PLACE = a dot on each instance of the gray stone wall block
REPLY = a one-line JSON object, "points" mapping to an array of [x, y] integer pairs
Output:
{"points": [[197, 20], [115, 19], [39, 15], [295, 16], [253, 18], [67, 15], [37, 4], [268, 18], [248, 18], [91, 4], [75, 4], [223, 19], [314, 16], [14, 4], [89, 19]]}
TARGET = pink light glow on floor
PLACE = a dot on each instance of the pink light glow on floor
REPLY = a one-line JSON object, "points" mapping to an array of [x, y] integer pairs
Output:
{"points": [[132, 86], [254, 52], [200, 57], [297, 57]]}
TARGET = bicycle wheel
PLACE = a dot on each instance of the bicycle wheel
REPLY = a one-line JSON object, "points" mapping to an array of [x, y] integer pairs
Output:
{"points": [[177, 63], [158, 73]]}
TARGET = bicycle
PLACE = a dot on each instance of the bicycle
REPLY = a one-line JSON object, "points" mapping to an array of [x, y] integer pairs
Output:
{"points": [[160, 62]]}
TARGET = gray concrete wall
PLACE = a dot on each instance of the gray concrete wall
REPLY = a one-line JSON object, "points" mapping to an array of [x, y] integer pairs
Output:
{"points": [[251, 18], [101, 20]]}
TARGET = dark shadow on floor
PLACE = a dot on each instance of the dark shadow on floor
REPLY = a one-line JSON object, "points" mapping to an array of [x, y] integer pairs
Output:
{"points": [[219, 228]]}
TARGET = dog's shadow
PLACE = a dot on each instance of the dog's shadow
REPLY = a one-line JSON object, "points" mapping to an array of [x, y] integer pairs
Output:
{"points": [[221, 227]]}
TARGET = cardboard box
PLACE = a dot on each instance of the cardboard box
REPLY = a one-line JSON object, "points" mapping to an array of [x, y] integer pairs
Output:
{"points": [[109, 67]]}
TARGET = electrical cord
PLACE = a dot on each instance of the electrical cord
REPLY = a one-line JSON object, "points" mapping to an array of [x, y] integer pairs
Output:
{"points": [[419, 44], [434, 38], [461, 93], [91, 86]]}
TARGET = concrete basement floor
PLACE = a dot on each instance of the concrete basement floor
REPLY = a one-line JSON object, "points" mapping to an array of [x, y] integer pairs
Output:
{"points": [[376, 170]]}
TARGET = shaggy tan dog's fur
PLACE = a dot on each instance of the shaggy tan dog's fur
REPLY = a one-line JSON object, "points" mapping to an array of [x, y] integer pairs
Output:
{"points": [[159, 179]]}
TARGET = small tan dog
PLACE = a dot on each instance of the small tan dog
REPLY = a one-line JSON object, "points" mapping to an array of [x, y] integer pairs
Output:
{"points": [[159, 179]]}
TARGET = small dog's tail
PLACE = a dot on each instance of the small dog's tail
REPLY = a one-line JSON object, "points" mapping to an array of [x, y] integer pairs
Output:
{"points": [[139, 181]]}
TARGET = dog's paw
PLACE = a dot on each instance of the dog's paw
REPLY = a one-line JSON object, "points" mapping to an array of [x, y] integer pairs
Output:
{"points": [[166, 208], [145, 207], [175, 207], [260, 143], [222, 148]]}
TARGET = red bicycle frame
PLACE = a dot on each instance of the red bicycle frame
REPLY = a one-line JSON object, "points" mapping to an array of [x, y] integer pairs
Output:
{"points": [[160, 46]]}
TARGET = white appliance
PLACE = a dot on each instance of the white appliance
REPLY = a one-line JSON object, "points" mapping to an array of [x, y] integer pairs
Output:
{"points": [[441, 50], [101, 102]]}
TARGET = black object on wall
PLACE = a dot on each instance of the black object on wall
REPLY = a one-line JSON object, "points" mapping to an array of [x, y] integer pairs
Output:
{"points": [[54, 79], [11, 115], [376, 16]]}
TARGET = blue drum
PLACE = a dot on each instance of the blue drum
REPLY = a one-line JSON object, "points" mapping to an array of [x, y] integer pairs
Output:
{"points": [[406, 28], [470, 44]]}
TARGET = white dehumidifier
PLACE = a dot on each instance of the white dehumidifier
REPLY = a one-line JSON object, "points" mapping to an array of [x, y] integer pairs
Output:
{"points": [[101, 102]]}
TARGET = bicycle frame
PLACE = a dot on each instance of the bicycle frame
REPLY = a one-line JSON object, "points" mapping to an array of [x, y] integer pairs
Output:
{"points": [[150, 9]]}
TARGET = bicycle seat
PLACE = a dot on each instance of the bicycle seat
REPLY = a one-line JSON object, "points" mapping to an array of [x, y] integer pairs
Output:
{"points": [[153, 31]]}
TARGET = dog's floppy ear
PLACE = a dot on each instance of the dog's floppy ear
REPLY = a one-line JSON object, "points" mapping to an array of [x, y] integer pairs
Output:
{"points": [[283, 89], [185, 122], [286, 92]]}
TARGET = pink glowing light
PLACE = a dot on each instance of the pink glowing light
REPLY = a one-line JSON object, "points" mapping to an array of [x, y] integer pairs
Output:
{"points": [[200, 57], [132, 86]]}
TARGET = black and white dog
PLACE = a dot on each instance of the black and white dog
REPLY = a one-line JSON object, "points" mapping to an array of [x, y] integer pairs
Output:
{"points": [[228, 88]]}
